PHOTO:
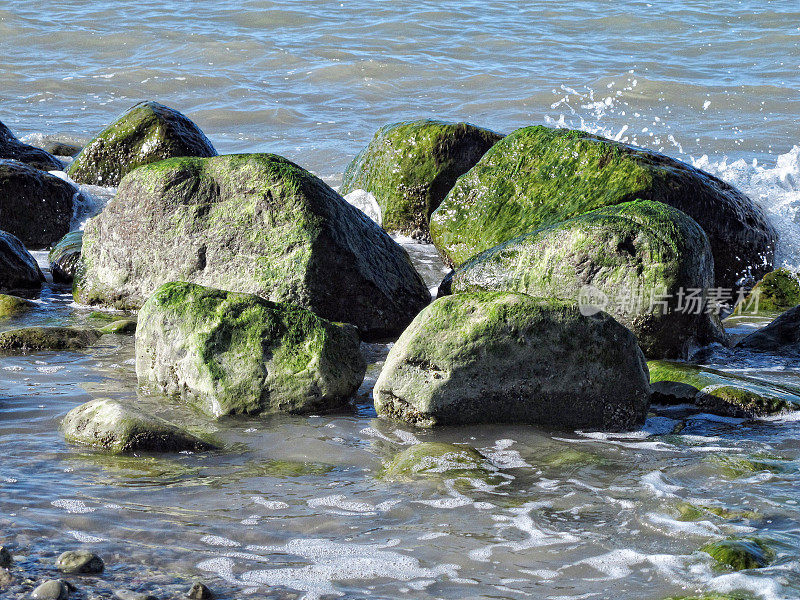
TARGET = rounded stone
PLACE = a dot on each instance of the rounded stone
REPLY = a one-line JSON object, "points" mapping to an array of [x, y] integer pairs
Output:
{"points": [[53, 589], [80, 561]]}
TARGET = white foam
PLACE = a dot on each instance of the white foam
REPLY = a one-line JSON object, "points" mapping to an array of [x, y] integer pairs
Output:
{"points": [[86, 538], [269, 504], [366, 203], [76, 507], [216, 540], [340, 502], [655, 482], [505, 458]]}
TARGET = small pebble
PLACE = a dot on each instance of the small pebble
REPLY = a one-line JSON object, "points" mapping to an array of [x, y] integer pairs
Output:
{"points": [[5, 557], [199, 591], [5, 578], [52, 589], [79, 561]]}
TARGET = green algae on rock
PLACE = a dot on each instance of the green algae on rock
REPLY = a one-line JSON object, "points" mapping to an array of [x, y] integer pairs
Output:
{"points": [[482, 357], [538, 176], [640, 257], [409, 167], [14, 305], [146, 133], [65, 257], [740, 553], [232, 353], [80, 561], [116, 428], [777, 291], [35, 206], [13, 149], [37, 339], [437, 460], [120, 327], [692, 512], [253, 223], [718, 392]]}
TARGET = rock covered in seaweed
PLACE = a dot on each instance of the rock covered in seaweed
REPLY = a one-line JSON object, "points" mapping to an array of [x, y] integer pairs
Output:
{"points": [[538, 176], [482, 357], [740, 553], [18, 268], [253, 223], [35, 206], [65, 257], [116, 428], [13, 149], [146, 133], [409, 167], [232, 353], [36, 339], [639, 256], [437, 460], [778, 290]]}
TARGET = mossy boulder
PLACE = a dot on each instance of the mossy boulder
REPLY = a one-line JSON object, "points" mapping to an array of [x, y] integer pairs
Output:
{"points": [[736, 466], [539, 176], [782, 336], [116, 428], [482, 357], [18, 269], [253, 223], [740, 553], [438, 460], [231, 353], [35, 206], [13, 149], [119, 327], [37, 339], [14, 305], [146, 133], [65, 257], [638, 257], [409, 167], [718, 392], [691, 512], [777, 291]]}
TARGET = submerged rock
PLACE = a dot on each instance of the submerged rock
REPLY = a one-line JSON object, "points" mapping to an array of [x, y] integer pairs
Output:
{"points": [[147, 133], [539, 176], [18, 269], [409, 167], [638, 257], [35, 206], [437, 460], [777, 291], [131, 595], [14, 305], [65, 257], [782, 336], [34, 339], [199, 591], [11, 148], [113, 427], [232, 353], [483, 357], [80, 561], [120, 327], [739, 554], [717, 392], [252, 223]]}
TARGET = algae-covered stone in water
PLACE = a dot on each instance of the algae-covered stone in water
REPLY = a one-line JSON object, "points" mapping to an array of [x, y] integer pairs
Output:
{"points": [[409, 167], [232, 353], [482, 357]]}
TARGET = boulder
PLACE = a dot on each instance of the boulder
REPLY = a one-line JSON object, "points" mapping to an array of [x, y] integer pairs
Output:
{"points": [[539, 176], [35, 206], [116, 428], [777, 291], [232, 353], [635, 260], [18, 269], [65, 256], [740, 553], [59, 145], [147, 133], [782, 336], [11, 148], [409, 167], [14, 305], [718, 392], [253, 223], [52, 589], [483, 357], [36, 339], [80, 561]]}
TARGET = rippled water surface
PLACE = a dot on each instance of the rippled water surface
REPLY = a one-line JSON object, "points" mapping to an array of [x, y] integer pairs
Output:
{"points": [[294, 507]]}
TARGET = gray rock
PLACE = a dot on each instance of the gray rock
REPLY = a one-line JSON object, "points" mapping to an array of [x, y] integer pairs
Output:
{"points": [[37, 339], [254, 223], [6, 578], [131, 595], [35, 206], [53, 589], [80, 561], [111, 426], [199, 591], [782, 336], [483, 357], [18, 268], [231, 353], [12, 148]]}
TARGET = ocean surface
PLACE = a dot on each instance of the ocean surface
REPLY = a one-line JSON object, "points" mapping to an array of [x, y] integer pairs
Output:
{"points": [[294, 509]]}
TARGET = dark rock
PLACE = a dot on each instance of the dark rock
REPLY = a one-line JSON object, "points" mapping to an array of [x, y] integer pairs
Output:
{"points": [[782, 336], [18, 268], [65, 257], [199, 591], [11, 148], [35, 339]]}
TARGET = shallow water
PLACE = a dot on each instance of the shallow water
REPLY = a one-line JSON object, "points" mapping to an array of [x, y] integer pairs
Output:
{"points": [[294, 507]]}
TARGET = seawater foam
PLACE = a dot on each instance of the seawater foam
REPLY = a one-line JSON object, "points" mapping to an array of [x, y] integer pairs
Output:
{"points": [[87, 201]]}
